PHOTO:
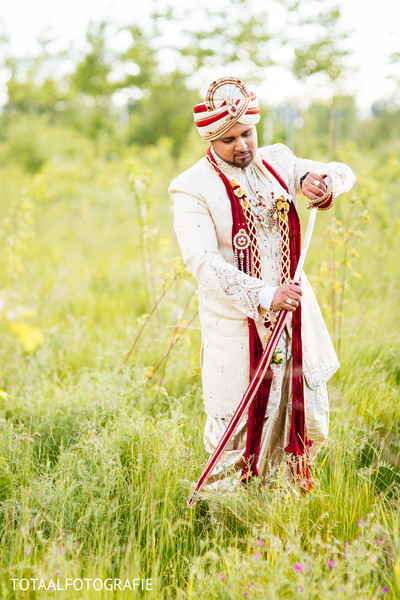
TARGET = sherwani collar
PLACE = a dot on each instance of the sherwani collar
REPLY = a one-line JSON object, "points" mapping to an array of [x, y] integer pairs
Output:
{"points": [[257, 170]]}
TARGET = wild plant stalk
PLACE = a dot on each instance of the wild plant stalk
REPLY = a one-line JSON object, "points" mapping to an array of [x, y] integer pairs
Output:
{"points": [[156, 304], [178, 333], [140, 187], [333, 289], [342, 245], [176, 329], [347, 240], [17, 234], [176, 271], [18, 228]]}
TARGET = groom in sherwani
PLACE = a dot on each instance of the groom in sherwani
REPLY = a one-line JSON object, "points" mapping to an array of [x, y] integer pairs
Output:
{"points": [[238, 230]]}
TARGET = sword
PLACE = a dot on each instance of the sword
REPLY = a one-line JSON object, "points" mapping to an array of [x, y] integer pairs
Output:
{"points": [[259, 373]]}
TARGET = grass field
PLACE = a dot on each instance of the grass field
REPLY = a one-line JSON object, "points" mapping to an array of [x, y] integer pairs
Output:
{"points": [[99, 450]]}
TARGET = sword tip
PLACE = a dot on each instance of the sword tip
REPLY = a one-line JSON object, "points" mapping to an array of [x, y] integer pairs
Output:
{"points": [[191, 500]]}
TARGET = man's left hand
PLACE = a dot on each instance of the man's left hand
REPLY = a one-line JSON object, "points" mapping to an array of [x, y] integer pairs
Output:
{"points": [[314, 186]]}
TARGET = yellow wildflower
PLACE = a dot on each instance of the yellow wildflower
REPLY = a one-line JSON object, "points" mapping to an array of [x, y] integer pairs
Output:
{"points": [[30, 337]]}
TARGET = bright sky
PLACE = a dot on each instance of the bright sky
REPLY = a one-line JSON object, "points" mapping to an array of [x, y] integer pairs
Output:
{"points": [[376, 28]]}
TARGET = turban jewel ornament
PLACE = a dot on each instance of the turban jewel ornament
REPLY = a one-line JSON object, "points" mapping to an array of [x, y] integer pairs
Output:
{"points": [[228, 101]]}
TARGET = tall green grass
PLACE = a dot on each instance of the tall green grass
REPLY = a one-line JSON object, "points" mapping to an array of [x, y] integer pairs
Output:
{"points": [[97, 458]]}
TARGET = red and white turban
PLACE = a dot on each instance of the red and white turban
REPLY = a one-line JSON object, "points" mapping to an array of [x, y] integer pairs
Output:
{"points": [[228, 101]]}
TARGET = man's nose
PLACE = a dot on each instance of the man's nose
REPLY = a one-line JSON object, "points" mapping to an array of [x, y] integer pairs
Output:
{"points": [[241, 145]]}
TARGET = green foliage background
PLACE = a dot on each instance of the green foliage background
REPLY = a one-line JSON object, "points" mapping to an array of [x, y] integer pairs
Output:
{"points": [[101, 430]]}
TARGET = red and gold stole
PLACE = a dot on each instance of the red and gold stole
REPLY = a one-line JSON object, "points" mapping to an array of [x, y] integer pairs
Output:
{"points": [[247, 257]]}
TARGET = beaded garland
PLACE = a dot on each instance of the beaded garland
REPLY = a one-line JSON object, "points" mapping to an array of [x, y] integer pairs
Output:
{"points": [[245, 246], [241, 243], [280, 211]]}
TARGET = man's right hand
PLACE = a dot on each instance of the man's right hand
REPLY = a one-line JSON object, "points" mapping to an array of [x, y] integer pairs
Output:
{"points": [[285, 292]]}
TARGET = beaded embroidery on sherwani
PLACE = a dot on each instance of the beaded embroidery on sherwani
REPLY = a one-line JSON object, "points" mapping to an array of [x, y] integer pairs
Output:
{"points": [[265, 206]]}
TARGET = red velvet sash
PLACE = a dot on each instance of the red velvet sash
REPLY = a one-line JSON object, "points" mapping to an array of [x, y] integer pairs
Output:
{"points": [[298, 442]]}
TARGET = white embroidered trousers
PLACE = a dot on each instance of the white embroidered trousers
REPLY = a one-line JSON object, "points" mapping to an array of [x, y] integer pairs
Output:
{"points": [[276, 430]]}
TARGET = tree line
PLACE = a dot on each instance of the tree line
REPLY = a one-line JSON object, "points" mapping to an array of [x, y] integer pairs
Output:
{"points": [[141, 94]]}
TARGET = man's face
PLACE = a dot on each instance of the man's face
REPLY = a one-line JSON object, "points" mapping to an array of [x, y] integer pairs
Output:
{"points": [[238, 146]]}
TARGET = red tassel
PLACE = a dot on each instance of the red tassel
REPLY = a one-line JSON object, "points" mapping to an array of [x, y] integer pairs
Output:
{"points": [[299, 467]]}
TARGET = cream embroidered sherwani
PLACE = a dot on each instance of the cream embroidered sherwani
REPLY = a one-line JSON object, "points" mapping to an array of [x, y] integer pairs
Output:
{"points": [[227, 296]]}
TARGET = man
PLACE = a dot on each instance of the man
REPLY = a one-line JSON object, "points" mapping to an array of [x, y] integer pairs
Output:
{"points": [[238, 230]]}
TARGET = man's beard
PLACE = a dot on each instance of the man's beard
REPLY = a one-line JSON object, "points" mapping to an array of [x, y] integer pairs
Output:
{"points": [[243, 160]]}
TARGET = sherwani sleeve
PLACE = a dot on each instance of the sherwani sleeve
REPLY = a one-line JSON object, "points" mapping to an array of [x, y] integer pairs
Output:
{"points": [[342, 176], [292, 168], [198, 242]]}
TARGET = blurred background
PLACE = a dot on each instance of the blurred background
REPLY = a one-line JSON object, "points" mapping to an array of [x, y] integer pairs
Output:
{"points": [[128, 72]]}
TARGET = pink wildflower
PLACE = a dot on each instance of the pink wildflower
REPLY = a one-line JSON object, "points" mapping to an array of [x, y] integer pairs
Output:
{"points": [[257, 555], [260, 543], [331, 564], [385, 590], [361, 522], [61, 551], [221, 576], [250, 585], [298, 567], [378, 542], [346, 544], [245, 594]]}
